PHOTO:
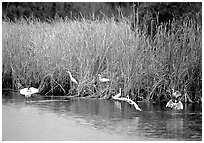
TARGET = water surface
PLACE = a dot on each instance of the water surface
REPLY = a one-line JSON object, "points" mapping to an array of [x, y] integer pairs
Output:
{"points": [[95, 119]]}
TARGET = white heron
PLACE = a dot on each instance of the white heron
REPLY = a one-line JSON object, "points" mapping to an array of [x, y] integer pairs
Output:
{"points": [[27, 92], [175, 101], [103, 79], [71, 77], [117, 95], [128, 100]]}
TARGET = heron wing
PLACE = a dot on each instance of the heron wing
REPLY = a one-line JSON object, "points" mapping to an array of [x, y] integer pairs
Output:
{"points": [[179, 105], [169, 104], [34, 90], [24, 91]]}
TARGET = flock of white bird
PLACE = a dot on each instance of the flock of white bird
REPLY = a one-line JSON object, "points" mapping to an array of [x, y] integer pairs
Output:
{"points": [[173, 103]]}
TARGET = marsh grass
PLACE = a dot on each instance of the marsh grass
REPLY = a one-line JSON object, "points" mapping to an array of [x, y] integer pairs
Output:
{"points": [[146, 68]]}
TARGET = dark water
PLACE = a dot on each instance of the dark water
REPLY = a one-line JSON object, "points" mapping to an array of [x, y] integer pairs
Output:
{"points": [[94, 119]]}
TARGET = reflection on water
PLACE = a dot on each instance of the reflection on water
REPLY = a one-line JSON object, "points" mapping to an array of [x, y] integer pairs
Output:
{"points": [[94, 119]]}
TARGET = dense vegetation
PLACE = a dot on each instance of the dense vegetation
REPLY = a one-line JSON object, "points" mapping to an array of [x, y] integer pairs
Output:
{"points": [[146, 68], [147, 11]]}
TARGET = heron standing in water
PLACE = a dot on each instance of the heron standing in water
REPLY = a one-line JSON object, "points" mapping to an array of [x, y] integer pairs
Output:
{"points": [[27, 92], [71, 77], [117, 95], [175, 101]]}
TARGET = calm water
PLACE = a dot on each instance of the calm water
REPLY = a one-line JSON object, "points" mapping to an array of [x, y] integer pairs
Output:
{"points": [[94, 119]]}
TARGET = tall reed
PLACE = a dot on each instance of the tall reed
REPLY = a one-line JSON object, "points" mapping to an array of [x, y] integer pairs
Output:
{"points": [[145, 68]]}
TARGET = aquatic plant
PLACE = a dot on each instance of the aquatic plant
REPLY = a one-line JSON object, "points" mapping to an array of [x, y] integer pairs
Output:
{"points": [[144, 67]]}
